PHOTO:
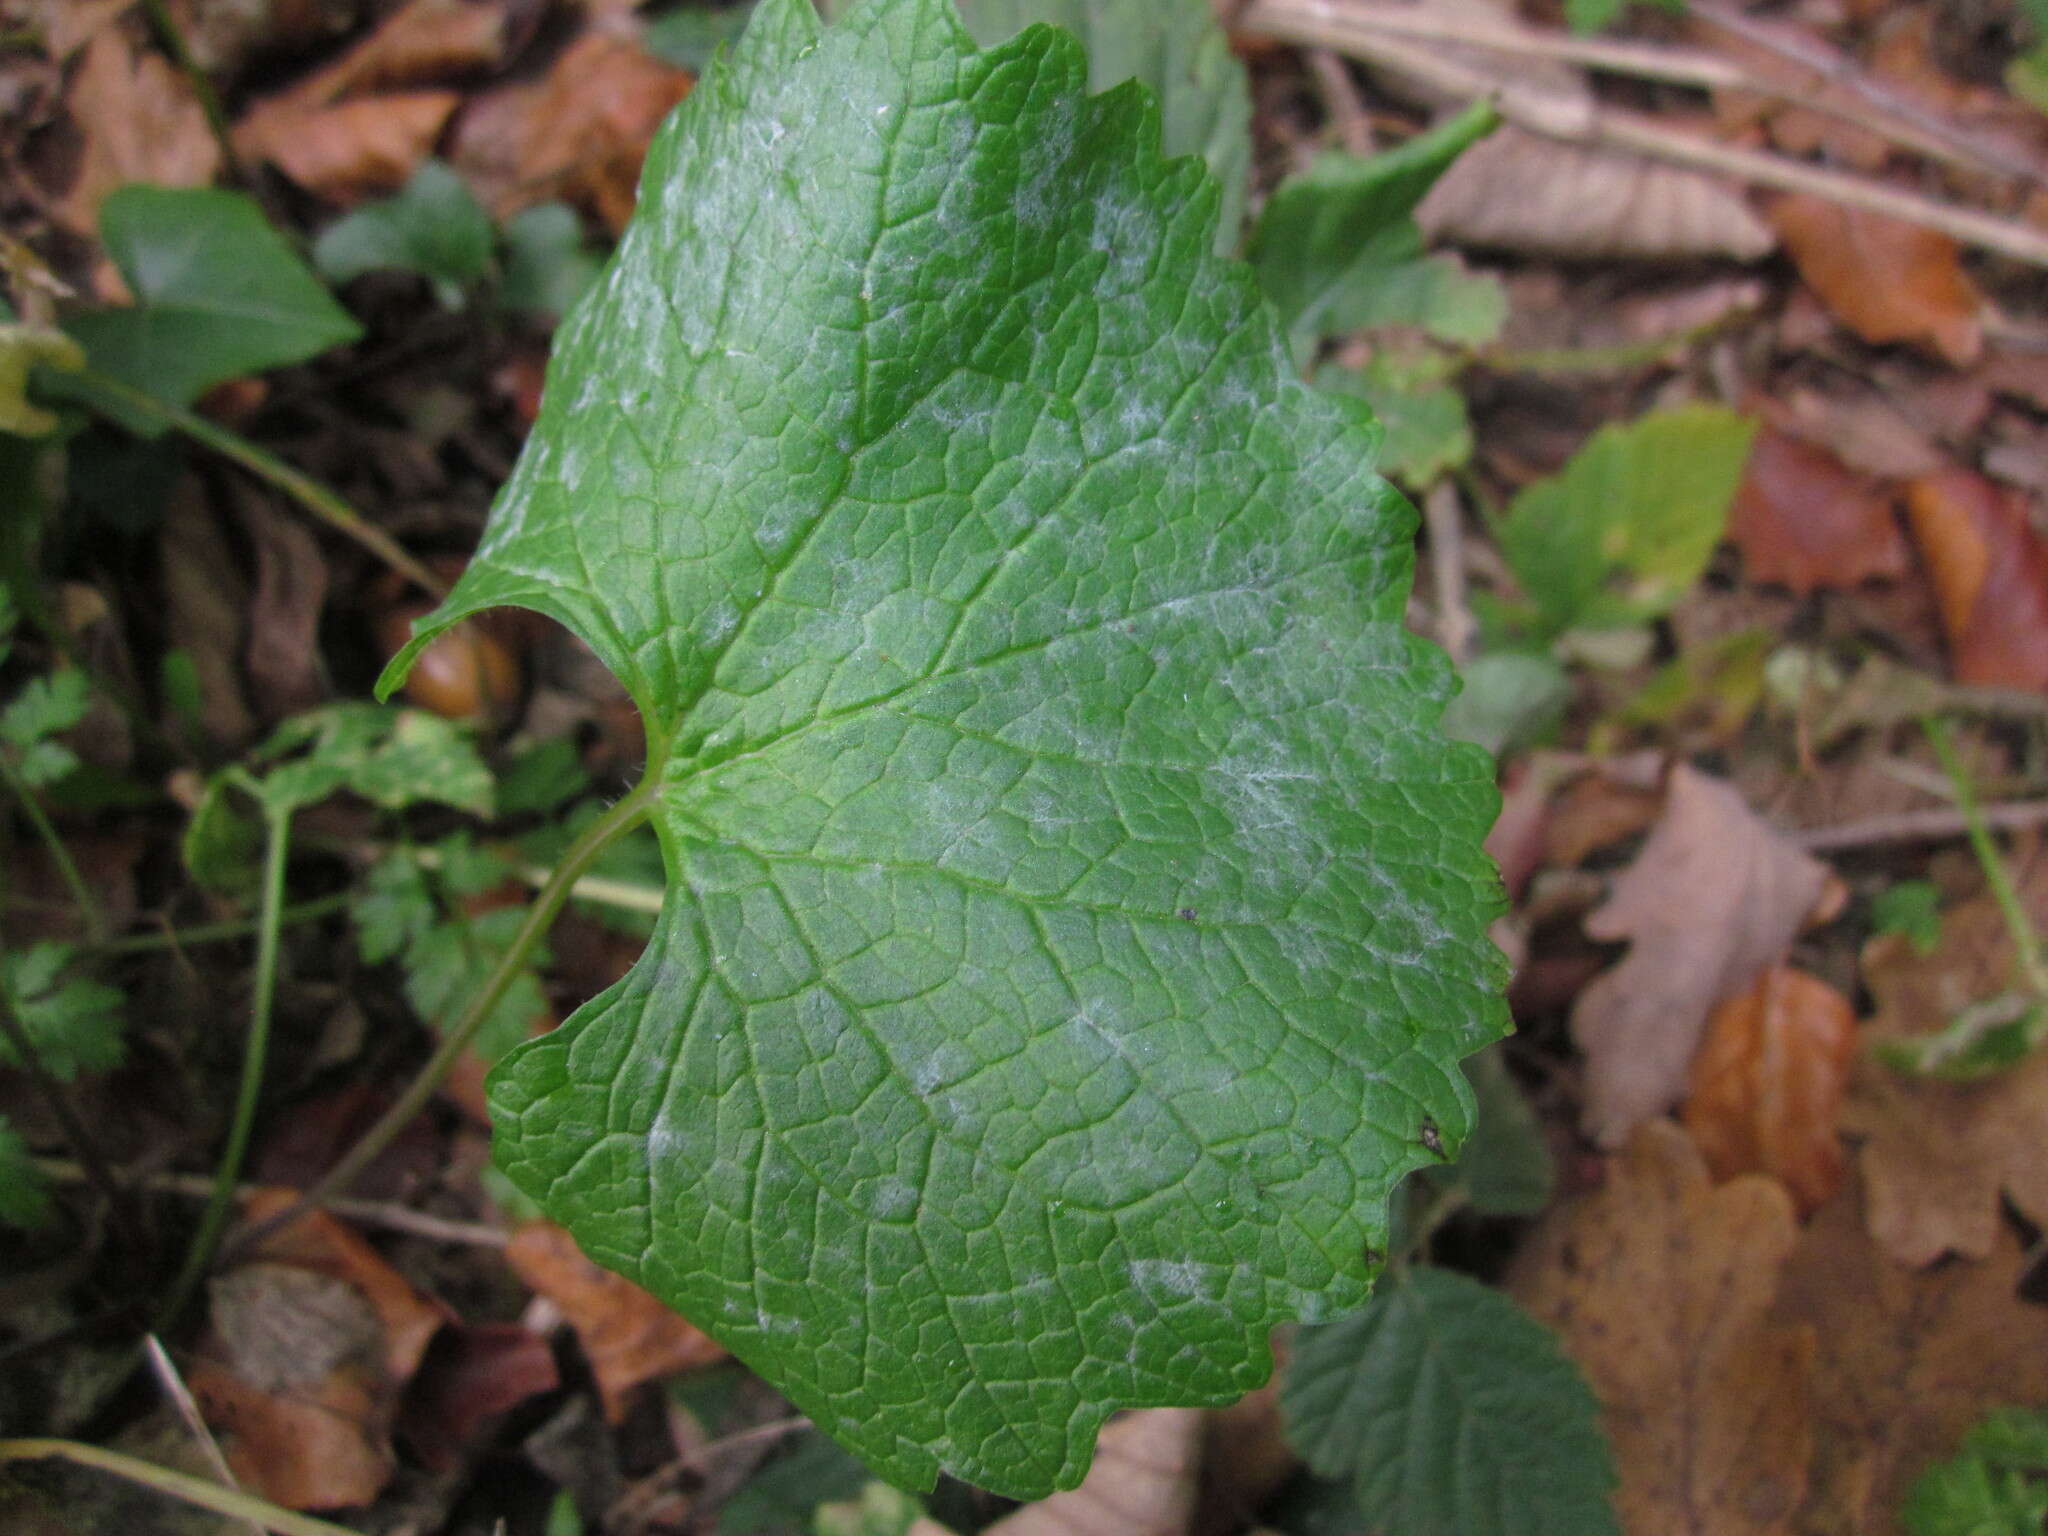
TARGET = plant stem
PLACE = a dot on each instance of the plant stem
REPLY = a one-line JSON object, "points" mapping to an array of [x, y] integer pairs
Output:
{"points": [[228, 1171], [2026, 942], [88, 908], [213, 933], [327, 505], [179, 1485], [547, 902], [172, 41]]}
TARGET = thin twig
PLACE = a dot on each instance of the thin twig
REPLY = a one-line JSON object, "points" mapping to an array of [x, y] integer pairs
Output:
{"points": [[1838, 69], [1887, 117], [90, 917], [1444, 511], [369, 1213], [174, 1388], [215, 933], [1938, 825], [1330, 24], [1346, 108], [172, 40]]}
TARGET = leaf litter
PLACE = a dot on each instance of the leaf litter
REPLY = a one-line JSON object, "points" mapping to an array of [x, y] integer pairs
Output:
{"points": [[1832, 1241]]}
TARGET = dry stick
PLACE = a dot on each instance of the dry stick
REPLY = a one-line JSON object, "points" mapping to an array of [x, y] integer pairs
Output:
{"points": [[1332, 75], [1836, 68], [1444, 512], [1322, 24], [370, 1213], [231, 1502], [1897, 122], [187, 1407], [1929, 826]]}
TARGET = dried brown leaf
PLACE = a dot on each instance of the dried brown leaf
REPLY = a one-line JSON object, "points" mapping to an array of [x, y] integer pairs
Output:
{"points": [[1907, 1361], [1517, 191], [627, 1335], [1886, 280], [1660, 1285], [1990, 571], [282, 649], [1804, 519], [426, 42], [1937, 1158], [1767, 1084], [579, 134], [140, 122], [1714, 897], [1142, 1482], [351, 149], [470, 1376]]}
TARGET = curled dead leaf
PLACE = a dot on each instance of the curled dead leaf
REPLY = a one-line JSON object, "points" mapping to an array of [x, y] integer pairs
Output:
{"points": [[1885, 280], [1142, 1482], [1805, 520], [1767, 1084], [1714, 897], [627, 1335], [1660, 1284], [1990, 571], [350, 149]]}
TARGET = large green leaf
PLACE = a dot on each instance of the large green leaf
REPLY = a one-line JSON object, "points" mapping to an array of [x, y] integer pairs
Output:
{"points": [[1455, 1413], [1074, 919], [218, 294], [1337, 248], [1175, 48]]}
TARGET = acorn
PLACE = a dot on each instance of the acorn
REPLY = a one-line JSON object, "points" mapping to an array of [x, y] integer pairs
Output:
{"points": [[471, 672]]}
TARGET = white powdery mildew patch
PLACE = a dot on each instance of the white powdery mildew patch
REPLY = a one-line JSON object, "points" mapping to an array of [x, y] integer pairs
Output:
{"points": [[1178, 1279]]}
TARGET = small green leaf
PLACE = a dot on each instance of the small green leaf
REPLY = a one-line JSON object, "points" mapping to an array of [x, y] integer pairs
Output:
{"points": [[218, 295], [1981, 1041], [431, 225], [24, 1191], [75, 1024], [1587, 16], [1455, 1412], [542, 778], [396, 758], [1623, 533], [1510, 700], [690, 36], [46, 705], [395, 907], [548, 265], [1337, 248], [1428, 431], [1074, 917], [222, 847], [1997, 1485], [1176, 50], [879, 1511], [1911, 909]]}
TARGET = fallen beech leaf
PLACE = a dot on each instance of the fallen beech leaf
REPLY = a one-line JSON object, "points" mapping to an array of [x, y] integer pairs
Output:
{"points": [[470, 1376], [1937, 1157], [1142, 1482], [351, 149], [1885, 280], [1804, 519], [1714, 897], [140, 122], [1517, 191], [1660, 1284], [312, 1340], [1767, 1084], [1907, 1362], [426, 42], [1867, 432], [1990, 572], [627, 1335], [580, 134]]}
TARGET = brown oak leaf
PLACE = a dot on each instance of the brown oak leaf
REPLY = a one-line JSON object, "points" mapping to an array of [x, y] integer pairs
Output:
{"points": [[1937, 1158], [140, 122], [1660, 1284], [1884, 279], [1714, 897], [1907, 1360]]}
